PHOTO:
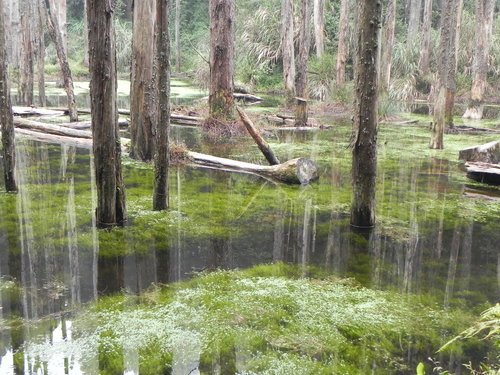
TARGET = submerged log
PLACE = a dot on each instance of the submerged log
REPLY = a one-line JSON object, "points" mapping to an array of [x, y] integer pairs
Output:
{"points": [[483, 172], [51, 128], [295, 171], [487, 153], [263, 145]]}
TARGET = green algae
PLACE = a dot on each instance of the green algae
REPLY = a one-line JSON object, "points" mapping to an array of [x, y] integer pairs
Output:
{"points": [[278, 319]]}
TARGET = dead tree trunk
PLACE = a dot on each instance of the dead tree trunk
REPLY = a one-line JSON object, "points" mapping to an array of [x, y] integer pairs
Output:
{"points": [[288, 49], [319, 26], [220, 100], [111, 208], [364, 142], [485, 10], [8, 152], [40, 53], [301, 75], [143, 105], [425, 47], [387, 46], [26, 74], [55, 35], [342, 50], [161, 191]]}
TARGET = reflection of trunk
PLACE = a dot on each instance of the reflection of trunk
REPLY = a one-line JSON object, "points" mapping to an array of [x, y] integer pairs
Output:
{"points": [[306, 235], [425, 47], [364, 161], [467, 254], [387, 46], [411, 259], [452, 267], [6, 120], [301, 74], [288, 49], [342, 44], [95, 238], [484, 27], [220, 253], [319, 26]]}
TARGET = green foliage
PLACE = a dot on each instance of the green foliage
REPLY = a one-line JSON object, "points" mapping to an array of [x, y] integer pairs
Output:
{"points": [[322, 76]]}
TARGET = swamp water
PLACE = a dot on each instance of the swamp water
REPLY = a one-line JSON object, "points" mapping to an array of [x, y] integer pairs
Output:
{"points": [[335, 300]]}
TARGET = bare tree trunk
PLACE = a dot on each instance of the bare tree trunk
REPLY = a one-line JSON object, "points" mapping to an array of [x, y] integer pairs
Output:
{"points": [[85, 36], [178, 36], [8, 151], [319, 26], [221, 100], [26, 78], [301, 75], [342, 50], [40, 53], [423, 62], [364, 142], [55, 35], [450, 93], [387, 46], [161, 191], [12, 22], [485, 10], [288, 49], [414, 20], [59, 9], [143, 106], [111, 208], [446, 70]]}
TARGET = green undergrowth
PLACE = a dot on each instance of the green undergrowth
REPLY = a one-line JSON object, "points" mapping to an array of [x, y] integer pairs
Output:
{"points": [[270, 319]]}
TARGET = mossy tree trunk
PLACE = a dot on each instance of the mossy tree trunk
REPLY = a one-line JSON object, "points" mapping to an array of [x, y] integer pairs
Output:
{"points": [[8, 151], [161, 191], [443, 105], [111, 210], [26, 71], [143, 100], [342, 47], [485, 9], [301, 74], [288, 49], [387, 46], [319, 26], [221, 100], [364, 140], [423, 62], [57, 39]]}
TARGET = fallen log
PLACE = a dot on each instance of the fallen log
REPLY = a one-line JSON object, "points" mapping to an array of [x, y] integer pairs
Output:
{"points": [[295, 171], [487, 153], [483, 172], [32, 111], [52, 138], [51, 128], [247, 97], [261, 143]]}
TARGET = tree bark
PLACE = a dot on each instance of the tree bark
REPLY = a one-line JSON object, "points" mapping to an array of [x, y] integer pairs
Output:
{"points": [[111, 210], [26, 74], [40, 53], [13, 37], [485, 10], [288, 49], [423, 62], [342, 50], [143, 101], [85, 36], [301, 75], [414, 20], [319, 26], [161, 160], [8, 151], [364, 160], [55, 35], [220, 100], [178, 36], [387, 46], [446, 72]]}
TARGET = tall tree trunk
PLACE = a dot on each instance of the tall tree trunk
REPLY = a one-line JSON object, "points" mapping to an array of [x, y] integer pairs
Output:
{"points": [[8, 151], [161, 192], [221, 100], [40, 53], [364, 142], [425, 47], [446, 70], [26, 74], [319, 26], [387, 46], [85, 36], [59, 9], [178, 36], [414, 21], [301, 75], [485, 10], [342, 50], [288, 49], [111, 208], [143, 108], [55, 35], [12, 23], [450, 93]]}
